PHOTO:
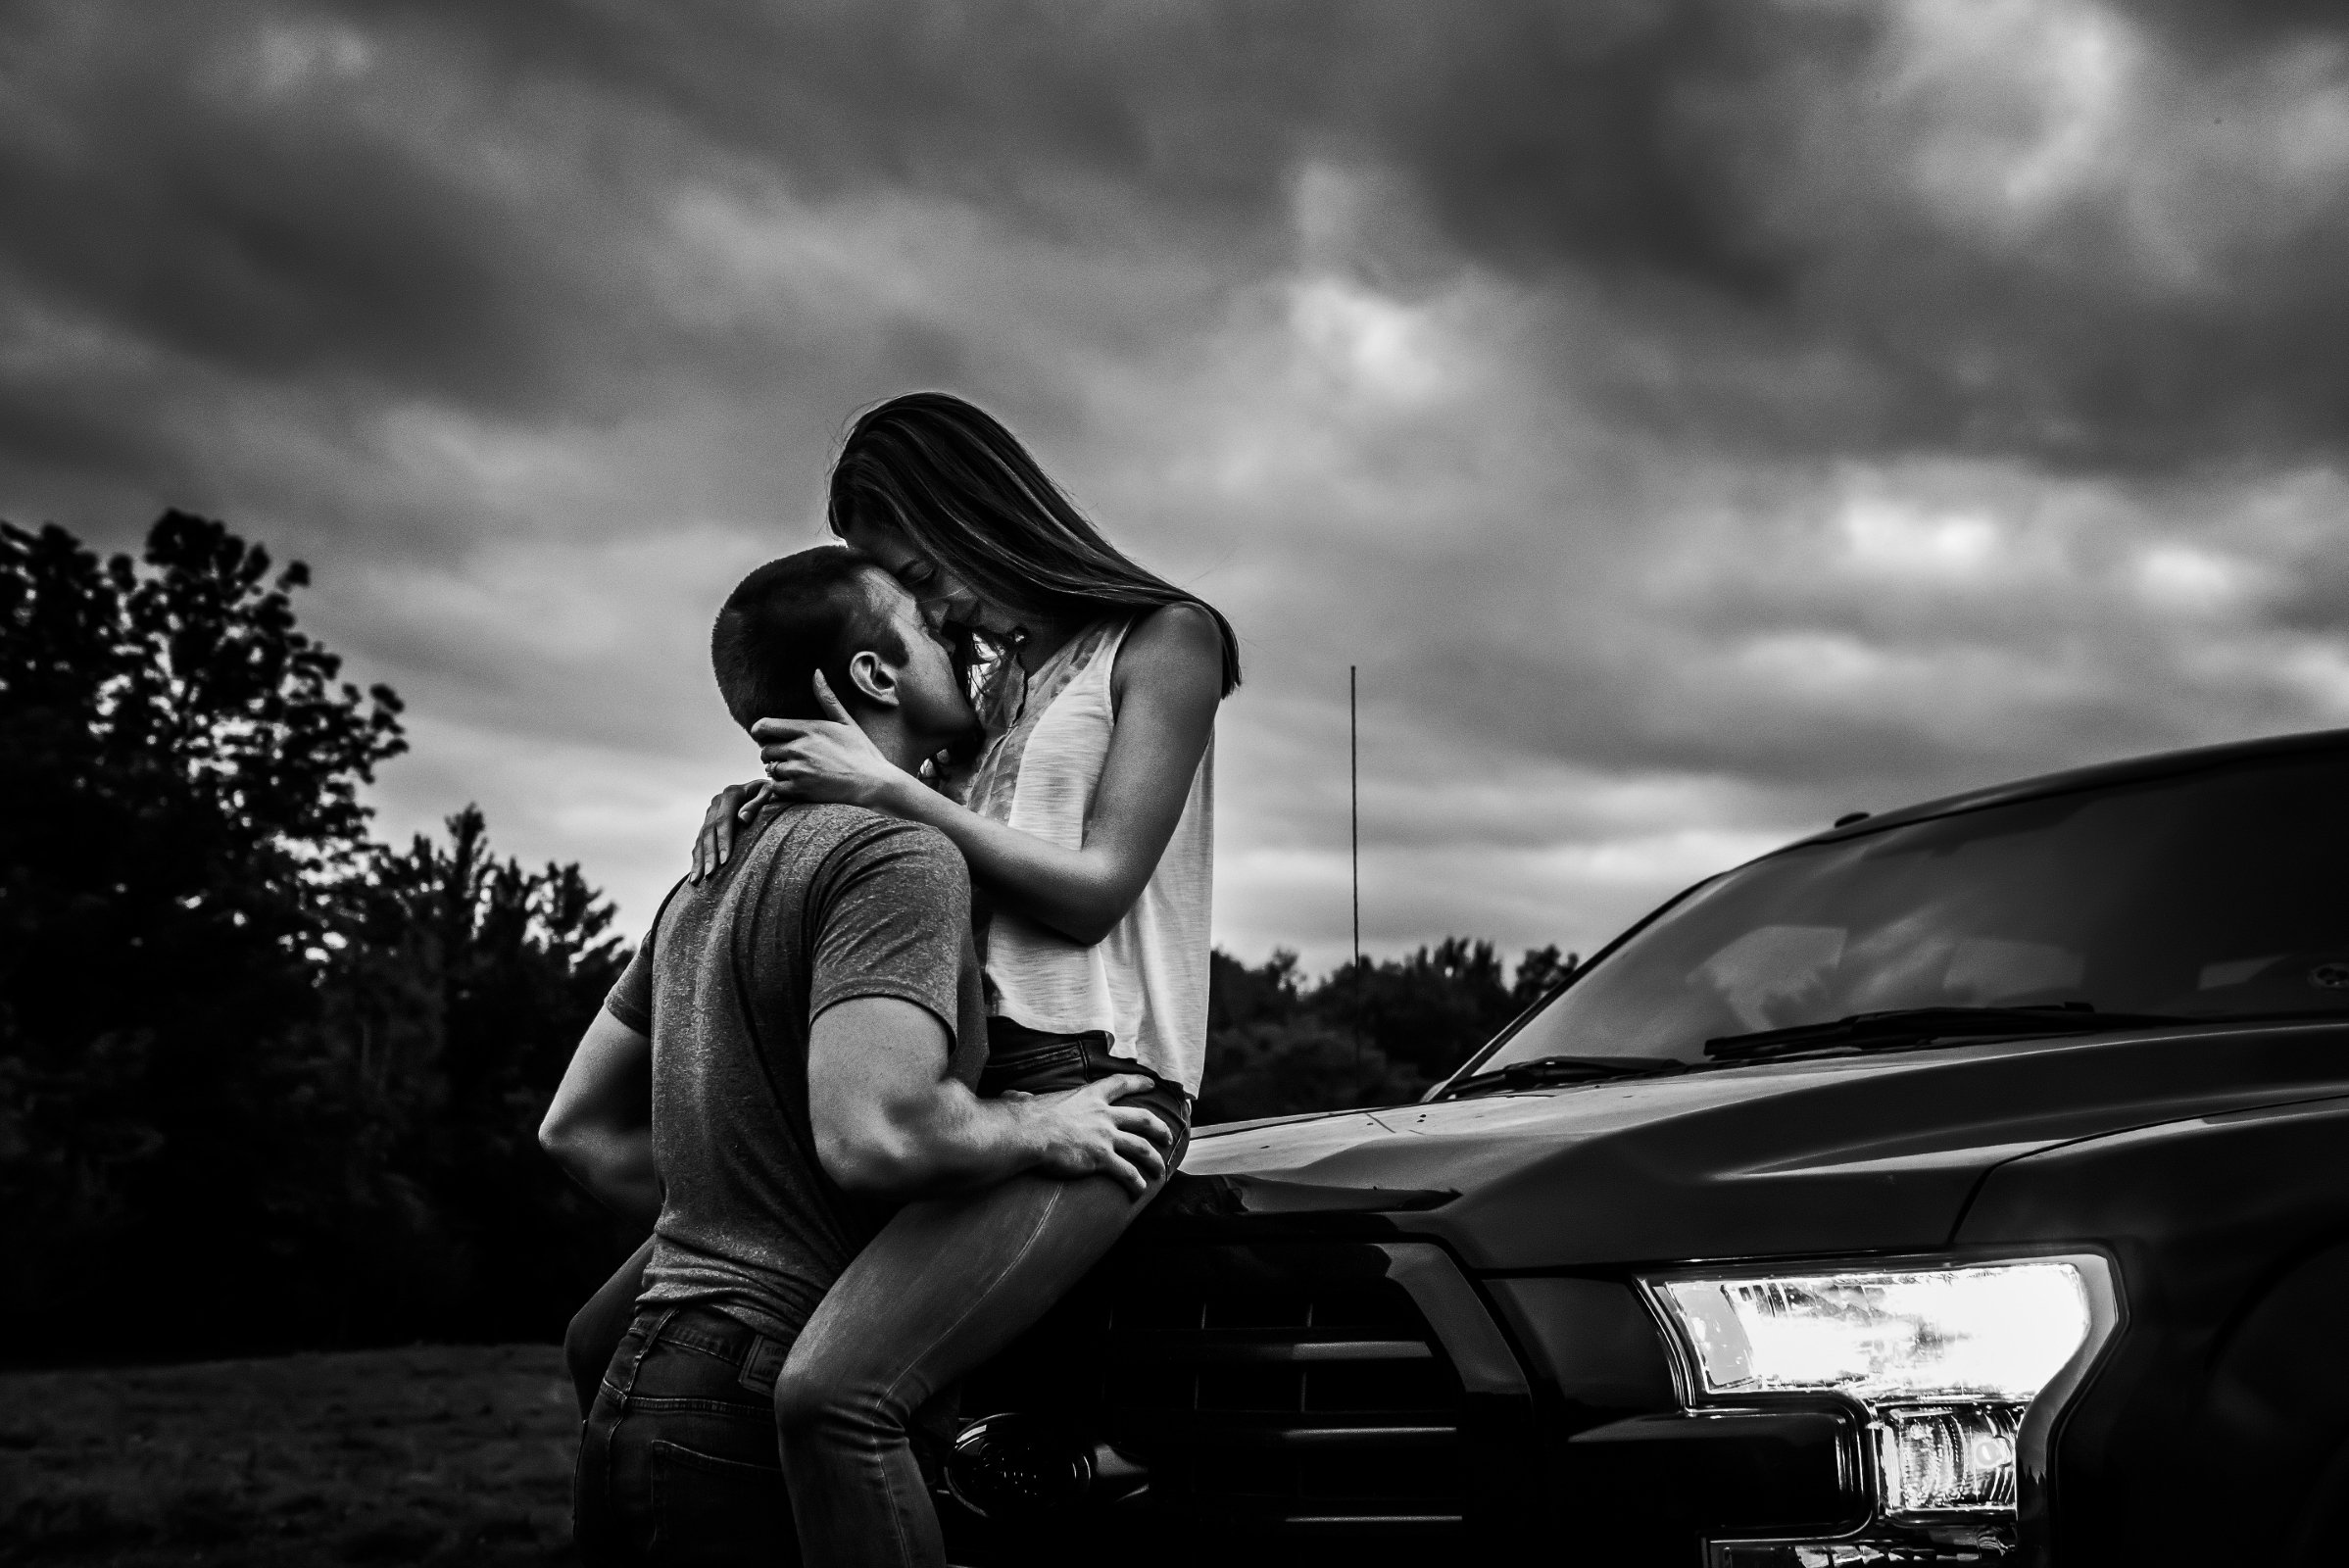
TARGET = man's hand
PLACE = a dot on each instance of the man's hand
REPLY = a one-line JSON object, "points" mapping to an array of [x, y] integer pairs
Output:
{"points": [[890, 1123], [1084, 1132]]}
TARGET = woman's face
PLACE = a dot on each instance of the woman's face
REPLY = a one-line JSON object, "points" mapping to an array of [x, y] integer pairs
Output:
{"points": [[940, 594]]}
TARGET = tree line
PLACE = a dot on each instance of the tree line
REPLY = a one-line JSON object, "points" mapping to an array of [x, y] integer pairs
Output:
{"points": [[1374, 1035], [267, 1080]]}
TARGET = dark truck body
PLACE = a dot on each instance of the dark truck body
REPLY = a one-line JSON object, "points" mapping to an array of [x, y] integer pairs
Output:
{"points": [[1394, 1333]]}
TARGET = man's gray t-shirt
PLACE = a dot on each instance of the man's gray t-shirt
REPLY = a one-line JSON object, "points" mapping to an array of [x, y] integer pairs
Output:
{"points": [[818, 905]]}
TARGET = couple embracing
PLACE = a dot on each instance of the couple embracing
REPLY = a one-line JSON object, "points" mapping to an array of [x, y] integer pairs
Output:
{"points": [[884, 1136]]}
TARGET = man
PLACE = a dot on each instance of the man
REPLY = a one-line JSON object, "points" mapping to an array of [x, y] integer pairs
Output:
{"points": [[811, 1023]]}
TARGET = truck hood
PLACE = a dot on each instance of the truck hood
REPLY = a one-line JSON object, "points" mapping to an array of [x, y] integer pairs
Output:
{"points": [[1838, 1155]]}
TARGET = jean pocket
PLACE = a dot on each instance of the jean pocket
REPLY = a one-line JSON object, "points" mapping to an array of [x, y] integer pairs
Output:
{"points": [[709, 1510]]}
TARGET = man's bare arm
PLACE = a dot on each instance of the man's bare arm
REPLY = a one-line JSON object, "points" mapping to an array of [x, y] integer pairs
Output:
{"points": [[599, 1126], [888, 1121]]}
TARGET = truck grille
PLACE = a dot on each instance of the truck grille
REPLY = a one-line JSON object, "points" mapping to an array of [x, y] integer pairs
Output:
{"points": [[1303, 1405]]}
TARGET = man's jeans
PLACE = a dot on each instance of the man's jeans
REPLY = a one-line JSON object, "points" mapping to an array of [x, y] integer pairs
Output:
{"points": [[677, 1462], [947, 1285], [944, 1286]]}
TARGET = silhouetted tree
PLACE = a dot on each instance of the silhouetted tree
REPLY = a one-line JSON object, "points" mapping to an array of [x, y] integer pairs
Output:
{"points": [[1239, 996], [262, 1080], [512, 966], [1538, 974], [178, 775], [1277, 1045]]}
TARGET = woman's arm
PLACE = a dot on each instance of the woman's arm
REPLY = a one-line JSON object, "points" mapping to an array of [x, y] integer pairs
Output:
{"points": [[1167, 683]]}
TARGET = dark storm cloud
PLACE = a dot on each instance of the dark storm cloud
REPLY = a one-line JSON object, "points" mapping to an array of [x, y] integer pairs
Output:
{"points": [[1731, 173], [2243, 29], [1695, 418], [387, 211], [1184, 113], [154, 181], [1734, 173]]}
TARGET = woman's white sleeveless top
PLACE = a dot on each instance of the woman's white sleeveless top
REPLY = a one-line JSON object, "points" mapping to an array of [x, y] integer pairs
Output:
{"points": [[1145, 982]]}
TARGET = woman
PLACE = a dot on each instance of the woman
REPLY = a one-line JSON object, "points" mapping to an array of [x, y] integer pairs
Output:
{"points": [[1086, 823], [1087, 829]]}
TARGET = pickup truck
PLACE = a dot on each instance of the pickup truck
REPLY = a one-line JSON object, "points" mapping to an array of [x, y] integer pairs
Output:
{"points": [[1967, 1183]]}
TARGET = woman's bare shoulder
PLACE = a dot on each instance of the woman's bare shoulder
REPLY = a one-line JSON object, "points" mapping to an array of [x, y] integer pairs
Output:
{"points": [[1181, 629], [1173, 643]]}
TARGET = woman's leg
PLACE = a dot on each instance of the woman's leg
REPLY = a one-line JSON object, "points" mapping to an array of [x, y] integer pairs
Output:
{"points": [[594, 1332], [945, 1285]]}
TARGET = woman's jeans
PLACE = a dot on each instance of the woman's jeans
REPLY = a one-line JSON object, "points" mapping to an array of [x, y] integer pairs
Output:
{"points": [[677, 1460], [947, 1285]]}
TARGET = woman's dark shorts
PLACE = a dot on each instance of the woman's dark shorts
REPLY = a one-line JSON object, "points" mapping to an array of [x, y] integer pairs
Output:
{"points": [[1034, 1063]]}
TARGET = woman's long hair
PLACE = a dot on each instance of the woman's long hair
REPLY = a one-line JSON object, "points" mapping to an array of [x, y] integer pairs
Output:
{"points": [[962, 490]]}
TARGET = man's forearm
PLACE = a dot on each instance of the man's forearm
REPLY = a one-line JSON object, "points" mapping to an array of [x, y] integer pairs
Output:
{"points": [[597, 1126], [890, 1123], [947, 1140], [616, 1169]]}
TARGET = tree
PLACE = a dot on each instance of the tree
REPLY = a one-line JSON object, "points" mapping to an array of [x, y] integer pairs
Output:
{"points": [[1377, 1037], [178, 778], [478, 978], [1538, 974], [1239, 996], [255, 1064]]}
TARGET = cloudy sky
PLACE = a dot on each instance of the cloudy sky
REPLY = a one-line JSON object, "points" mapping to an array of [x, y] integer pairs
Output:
{"points": [[1694, 419]]}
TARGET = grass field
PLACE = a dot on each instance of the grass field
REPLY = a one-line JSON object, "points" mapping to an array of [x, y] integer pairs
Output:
{"points": [[434, 1454]]}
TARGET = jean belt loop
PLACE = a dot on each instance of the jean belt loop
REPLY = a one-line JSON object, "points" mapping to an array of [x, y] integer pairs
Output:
{"points": [[644, 1346]]}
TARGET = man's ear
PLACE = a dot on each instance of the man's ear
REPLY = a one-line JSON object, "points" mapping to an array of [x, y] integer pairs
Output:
{"points": [[874, 681]]}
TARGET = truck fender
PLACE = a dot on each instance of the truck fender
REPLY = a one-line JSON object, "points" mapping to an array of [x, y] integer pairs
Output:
{"points": [[2274, 1416]]}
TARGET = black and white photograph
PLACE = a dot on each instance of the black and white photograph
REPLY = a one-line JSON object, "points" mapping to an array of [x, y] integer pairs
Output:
{"points": [[1181, 783]]}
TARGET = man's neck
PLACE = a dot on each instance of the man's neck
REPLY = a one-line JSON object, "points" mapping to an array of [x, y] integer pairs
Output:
{"points": [[887, 729]]}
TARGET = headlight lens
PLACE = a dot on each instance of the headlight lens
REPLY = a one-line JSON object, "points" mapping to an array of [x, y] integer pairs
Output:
{"points": [[1946, 1459], [1998, 1331], [1960, 1368]]}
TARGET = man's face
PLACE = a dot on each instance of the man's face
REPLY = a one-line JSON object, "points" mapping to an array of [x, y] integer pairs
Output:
{"points": [[930, 694]]}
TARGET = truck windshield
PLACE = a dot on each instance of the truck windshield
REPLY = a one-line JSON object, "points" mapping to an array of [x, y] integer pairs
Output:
{"points": [[2219, 894]]}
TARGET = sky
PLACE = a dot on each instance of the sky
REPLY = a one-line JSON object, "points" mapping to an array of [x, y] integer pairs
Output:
{"points": [[1694, 420]]}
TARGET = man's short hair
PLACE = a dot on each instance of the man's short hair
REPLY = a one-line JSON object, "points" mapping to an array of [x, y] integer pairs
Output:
{"points": [[792, 617]]}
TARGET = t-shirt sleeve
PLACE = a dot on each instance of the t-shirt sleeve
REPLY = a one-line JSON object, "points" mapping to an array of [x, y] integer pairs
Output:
{"points": [[895, 921], [630, 999]]}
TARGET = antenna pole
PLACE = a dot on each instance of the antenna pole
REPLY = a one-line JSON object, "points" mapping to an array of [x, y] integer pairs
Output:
{"points": [[1353, 791]]}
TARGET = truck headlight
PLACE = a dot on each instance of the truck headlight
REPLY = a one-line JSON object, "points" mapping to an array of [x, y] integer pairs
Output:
{"points": [[2000, 1329], [1950, 1360]]}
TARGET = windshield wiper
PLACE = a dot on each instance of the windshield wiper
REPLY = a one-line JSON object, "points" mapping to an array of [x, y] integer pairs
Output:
{"points": [[1548, 1072], [1912, 1026]]}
